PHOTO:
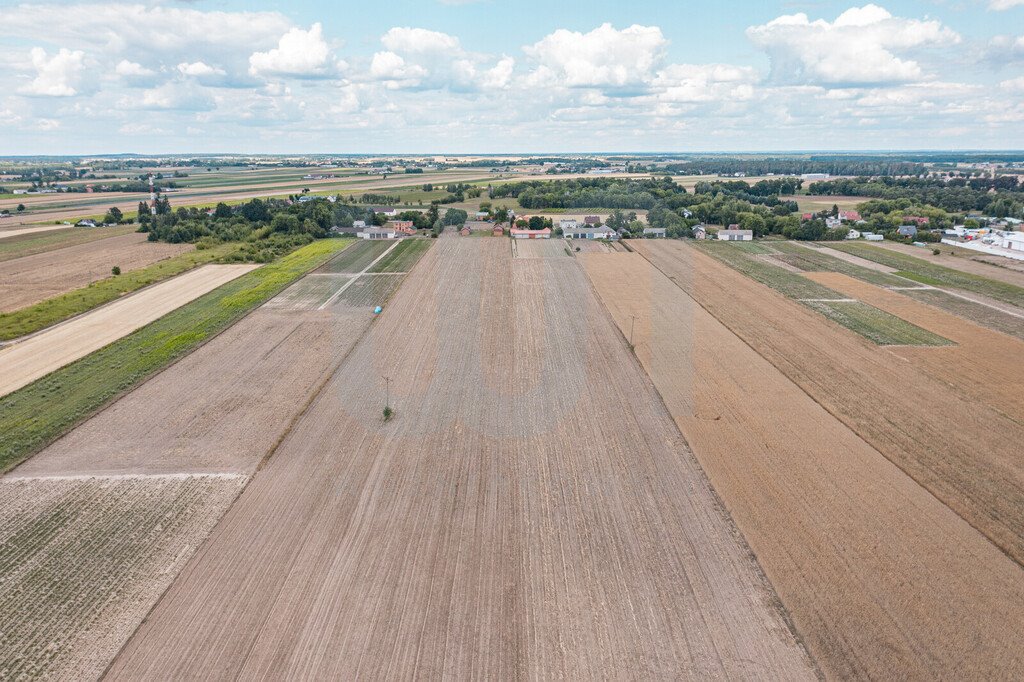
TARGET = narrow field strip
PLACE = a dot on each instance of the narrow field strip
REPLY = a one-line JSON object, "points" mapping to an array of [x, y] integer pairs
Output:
{"points": [[29, 245], [877, 575], [26, 361], [35, 415], [341, 290], [878, 326], [963, 452], [978, 366]]}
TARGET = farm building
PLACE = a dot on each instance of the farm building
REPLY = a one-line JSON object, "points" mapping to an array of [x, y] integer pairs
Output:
{"points": [[919, 220], [567, 224], [654, 233], [403, 226], [699, 232], [348, 231], [736, 235], [851, 216], [358, 223], [386, 210], [853, 234], [482, 215], [518, 233], [907, 230], [872, 237], [85, 223], [377, 233], [498, 231], [591, 233]]}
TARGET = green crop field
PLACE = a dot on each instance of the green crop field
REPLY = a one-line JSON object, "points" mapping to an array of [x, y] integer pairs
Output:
{"points": [[877, 325], [937, 275], [53, 310], [360, 255], [810, 260], [35, 415], [404, 256]]}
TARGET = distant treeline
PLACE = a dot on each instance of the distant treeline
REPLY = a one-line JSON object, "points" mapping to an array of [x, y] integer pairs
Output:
{"points": [[1001, 196], [838, 165]]}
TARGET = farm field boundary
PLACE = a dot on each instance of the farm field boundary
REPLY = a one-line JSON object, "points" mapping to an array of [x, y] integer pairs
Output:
{"points": [[971, 463], [65, 306], [490, 528], [28, 245], [40, 412], [33, 358], [821, 523]]}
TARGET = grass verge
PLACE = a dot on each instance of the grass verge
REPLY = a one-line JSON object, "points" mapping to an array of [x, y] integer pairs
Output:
{"points": [[59, 308], [37, 414], [937, 275]]}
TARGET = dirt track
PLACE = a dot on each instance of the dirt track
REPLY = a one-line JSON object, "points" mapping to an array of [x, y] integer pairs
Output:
{"points": [[23, 362], [820, 507], [961, 451], [530, 511], [28, 280]]}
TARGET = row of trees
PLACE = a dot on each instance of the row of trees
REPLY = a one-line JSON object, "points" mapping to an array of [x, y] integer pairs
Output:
{"points": [[1002, 196]]}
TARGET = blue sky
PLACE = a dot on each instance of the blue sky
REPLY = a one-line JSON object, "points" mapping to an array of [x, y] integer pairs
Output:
{"points": [[484, 76]]}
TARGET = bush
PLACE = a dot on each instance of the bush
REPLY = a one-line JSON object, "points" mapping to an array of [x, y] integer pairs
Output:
{"points": [[116, 270]]}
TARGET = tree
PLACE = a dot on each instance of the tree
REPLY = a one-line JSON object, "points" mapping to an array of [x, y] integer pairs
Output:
{"points": [[455, 216], [21, 207], [222, 211], [114, 215], [255, 211]]}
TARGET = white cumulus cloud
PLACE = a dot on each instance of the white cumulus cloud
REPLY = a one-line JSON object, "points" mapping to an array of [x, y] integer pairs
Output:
{"points": [[299, 53], [862, 46], [132, 69], [604, 57], [56, 76], [1000, 5], [198, 69]]}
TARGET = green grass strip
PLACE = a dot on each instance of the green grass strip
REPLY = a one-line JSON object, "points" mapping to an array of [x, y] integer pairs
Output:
{"points": [[34, 416], [937, 275], [59, 308], [922, 279], [876, 325], [404, 256]]}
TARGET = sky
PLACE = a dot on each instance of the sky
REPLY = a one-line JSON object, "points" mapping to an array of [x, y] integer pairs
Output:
{"points": [[491, 76]]}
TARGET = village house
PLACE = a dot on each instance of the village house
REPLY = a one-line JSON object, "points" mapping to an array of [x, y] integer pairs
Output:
{"points": [[402, 226], [907, 230], [497, 231], [699, 232], [390, 211], [522, 233], [654, 233], [566, 224]]}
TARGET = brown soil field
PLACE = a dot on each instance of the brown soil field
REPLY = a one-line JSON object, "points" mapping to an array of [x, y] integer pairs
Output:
{"points": [[819, 506], [82, 560], [963, 452], [538, 248], [531, 510], [974, 262], [243, 390], [978, 365], [30, 244], [28, 280], [25, 361], [17, 232], [998, 318]]}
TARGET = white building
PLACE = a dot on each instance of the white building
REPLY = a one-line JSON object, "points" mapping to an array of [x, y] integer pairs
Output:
{"points": [[815, 176], [591, 233], [736, 235], [378, 233], [358, 223], [654, 233], [567, 224], [852, 234]]}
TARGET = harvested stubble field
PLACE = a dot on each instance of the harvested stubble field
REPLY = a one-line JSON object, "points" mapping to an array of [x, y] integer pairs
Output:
{"points": [[310, 292], [403, 257], [876, 325], [819, 506], [27, 280], [357, 257], [83, 559], [25, 361], [531, 510], [977, 365], [539, 248], [370, 290], [934, 274], [963, 452]]}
